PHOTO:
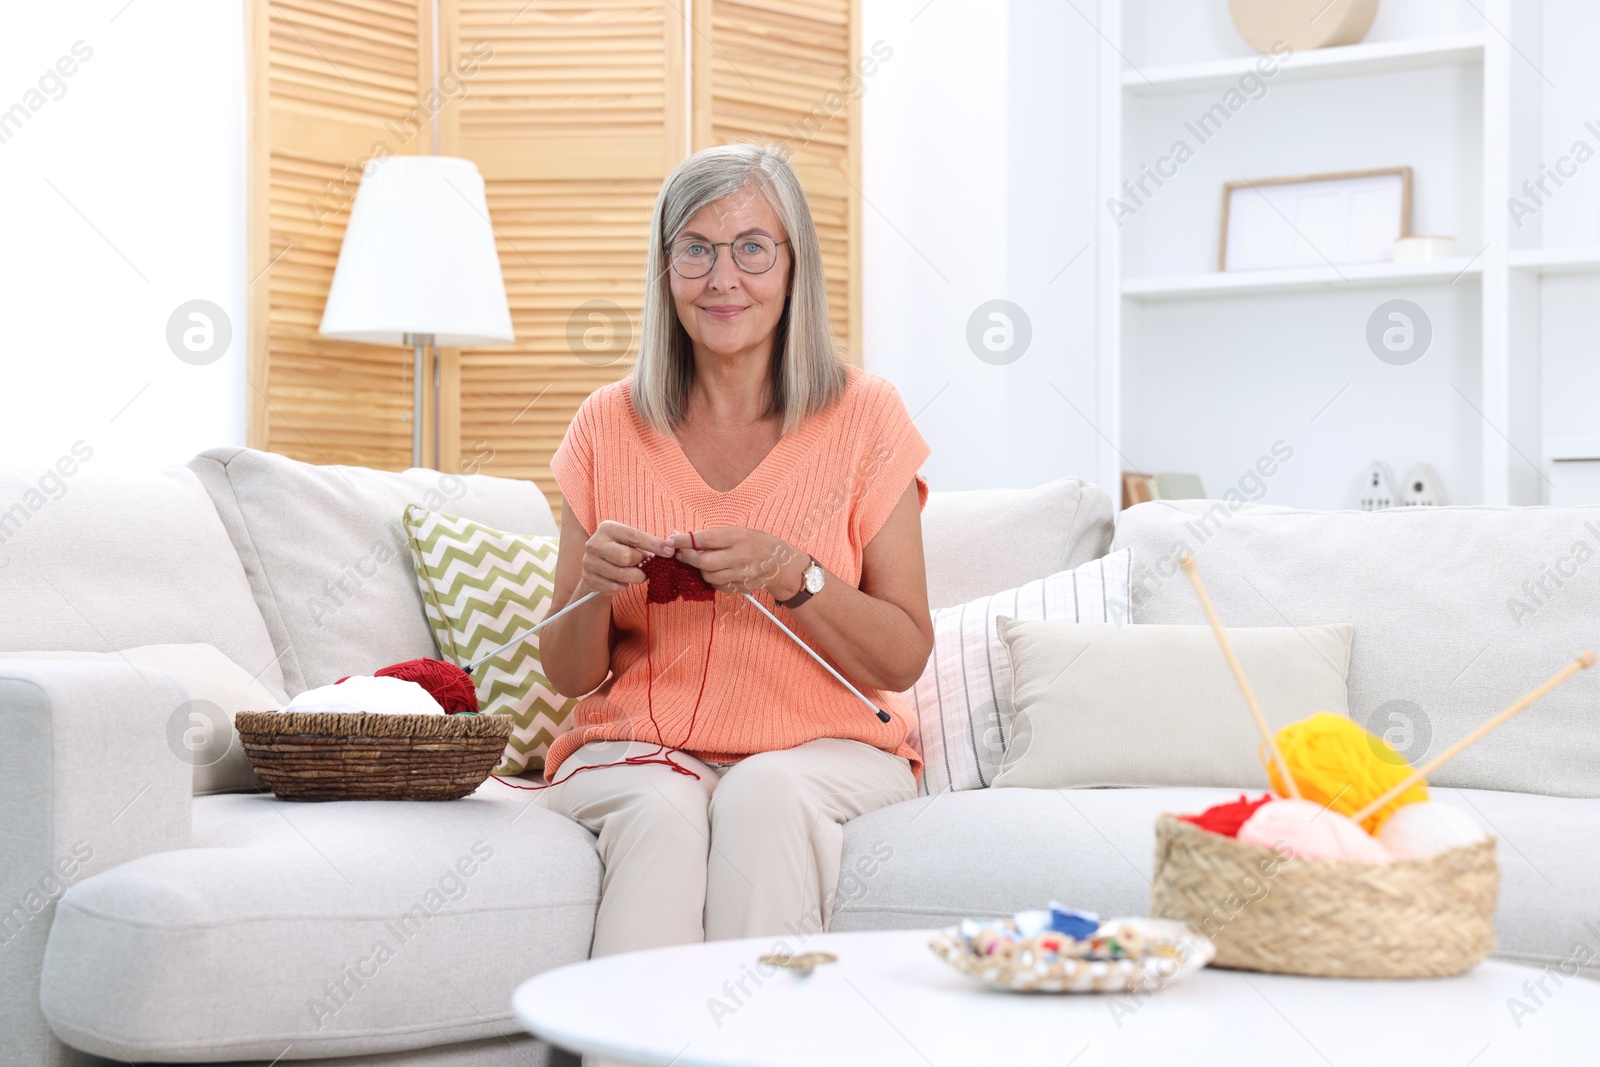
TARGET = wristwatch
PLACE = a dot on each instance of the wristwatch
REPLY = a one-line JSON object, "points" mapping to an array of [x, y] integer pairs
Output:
{"points": [[808, 588]]}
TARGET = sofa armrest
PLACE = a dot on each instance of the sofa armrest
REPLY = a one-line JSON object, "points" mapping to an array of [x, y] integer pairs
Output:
{"points": [[87, 781]]}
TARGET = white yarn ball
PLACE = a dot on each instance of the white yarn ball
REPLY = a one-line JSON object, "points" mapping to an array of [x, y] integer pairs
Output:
{"points": [[1427, 828], [388, 696]]}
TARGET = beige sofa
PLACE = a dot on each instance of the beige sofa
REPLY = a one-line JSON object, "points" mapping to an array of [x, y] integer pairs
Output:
{"points": [[1457, 611], [235, 928], [145, 924]]}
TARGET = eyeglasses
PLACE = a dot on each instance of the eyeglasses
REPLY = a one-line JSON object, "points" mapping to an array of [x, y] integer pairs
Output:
{"points": [[752, 253]]}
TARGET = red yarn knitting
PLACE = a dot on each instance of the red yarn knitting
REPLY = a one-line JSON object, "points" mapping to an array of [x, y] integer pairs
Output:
{"points": [[669, 579], [448, 684], [1225, 819]]}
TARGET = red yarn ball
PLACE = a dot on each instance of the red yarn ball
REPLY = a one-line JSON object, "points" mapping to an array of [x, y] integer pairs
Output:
{"points": [[1225, 819], [448, 684]]}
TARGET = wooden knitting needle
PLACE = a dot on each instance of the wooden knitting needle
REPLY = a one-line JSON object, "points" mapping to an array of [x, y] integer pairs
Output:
{"points": [[1188, 565], [1584, 661]]}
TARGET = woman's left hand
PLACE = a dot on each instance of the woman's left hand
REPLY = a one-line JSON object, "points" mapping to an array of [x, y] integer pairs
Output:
{"points": [[737, 559]]}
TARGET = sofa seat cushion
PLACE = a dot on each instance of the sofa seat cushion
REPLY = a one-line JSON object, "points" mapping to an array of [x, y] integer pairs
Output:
{"points": [[317, 930], [990, 852], [328, 558]]}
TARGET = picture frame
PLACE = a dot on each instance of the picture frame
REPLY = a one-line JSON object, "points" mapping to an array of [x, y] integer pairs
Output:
{"points": [[1137, 488], [1313, 220]]}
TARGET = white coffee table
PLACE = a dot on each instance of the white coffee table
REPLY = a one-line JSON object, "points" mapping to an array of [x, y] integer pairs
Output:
{"points": [[890, 1002]]}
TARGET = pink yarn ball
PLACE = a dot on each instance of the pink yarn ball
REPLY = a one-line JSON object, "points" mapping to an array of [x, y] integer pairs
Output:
{"points": [[1311, 832]]}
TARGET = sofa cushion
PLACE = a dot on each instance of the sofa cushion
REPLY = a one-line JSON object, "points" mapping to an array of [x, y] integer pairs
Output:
{"points": [[109, 561], [982, 541], [990, 852], [1458, 612], [327, 556], [339, 928], [481, 588], [1099, 704], [963, 701], [515, 1050]]}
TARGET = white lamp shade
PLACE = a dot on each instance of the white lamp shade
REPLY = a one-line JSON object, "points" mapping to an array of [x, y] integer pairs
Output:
{"points": [[419, 258]]}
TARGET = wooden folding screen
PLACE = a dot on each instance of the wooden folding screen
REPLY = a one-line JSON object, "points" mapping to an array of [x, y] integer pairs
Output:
{"points": [[329, 81], [574, 120], [574, 111], [785, 70]]}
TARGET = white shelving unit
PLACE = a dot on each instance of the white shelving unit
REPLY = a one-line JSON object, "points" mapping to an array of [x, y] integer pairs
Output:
{"points": [[1384, 57], [1576, 259], [1205, 371], [1348, 276]]}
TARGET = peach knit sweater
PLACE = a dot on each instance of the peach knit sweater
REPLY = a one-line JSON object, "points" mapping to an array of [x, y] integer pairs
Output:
{"points": [[826, 488]]}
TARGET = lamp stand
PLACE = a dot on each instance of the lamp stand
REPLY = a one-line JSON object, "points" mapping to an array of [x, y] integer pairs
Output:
{"points": [[420, 343]]}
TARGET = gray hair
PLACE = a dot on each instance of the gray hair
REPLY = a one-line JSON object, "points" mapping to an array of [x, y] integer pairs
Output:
{"points": [[806, 373]]}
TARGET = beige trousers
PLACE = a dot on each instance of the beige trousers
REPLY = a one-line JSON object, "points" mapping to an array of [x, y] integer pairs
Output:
{"points": [[747, 850]]}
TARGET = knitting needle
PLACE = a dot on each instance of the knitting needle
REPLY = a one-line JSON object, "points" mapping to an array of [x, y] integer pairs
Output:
{"points": [[883, 716], [1584, 661], [524, 635], [1188, 565]]}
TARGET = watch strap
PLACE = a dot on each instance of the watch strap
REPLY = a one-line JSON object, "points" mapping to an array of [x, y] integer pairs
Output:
{"points": [[804, 594]]}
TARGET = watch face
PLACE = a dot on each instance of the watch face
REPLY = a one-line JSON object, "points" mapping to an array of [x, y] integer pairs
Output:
{"points": [[813, 578]]}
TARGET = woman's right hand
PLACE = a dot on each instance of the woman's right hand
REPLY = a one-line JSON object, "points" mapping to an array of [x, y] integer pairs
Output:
{"points": [[611, 557]]}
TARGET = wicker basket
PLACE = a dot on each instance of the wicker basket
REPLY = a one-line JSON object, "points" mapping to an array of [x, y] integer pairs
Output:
{"points": [[369, 756], [1409, 919]]}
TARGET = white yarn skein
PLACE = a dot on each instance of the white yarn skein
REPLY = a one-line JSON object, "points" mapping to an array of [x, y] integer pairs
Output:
{"points": [[1427, 828], [386, 696]]}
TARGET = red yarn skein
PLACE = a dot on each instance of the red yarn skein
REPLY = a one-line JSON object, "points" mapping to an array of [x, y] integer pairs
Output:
{"points": [[1225, 819], [448, 684]]}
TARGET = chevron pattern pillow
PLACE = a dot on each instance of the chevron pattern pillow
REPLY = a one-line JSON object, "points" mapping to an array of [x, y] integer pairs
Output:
{"points": [[962, 703], [480, 588]]}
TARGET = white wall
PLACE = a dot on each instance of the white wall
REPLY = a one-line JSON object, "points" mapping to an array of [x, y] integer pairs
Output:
{"points": [[122, 199], [978, 175]]}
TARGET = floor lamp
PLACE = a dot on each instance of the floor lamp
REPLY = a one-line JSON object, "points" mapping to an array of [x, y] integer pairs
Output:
{"points": [[418, 265]]}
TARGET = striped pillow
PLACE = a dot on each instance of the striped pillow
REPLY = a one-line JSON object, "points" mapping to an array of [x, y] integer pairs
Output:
{"points": [[962, 702], [480, 588]]}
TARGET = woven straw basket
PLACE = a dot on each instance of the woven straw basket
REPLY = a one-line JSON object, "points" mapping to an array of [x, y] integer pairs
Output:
{"points": [[1409, 919], [368, 756]]}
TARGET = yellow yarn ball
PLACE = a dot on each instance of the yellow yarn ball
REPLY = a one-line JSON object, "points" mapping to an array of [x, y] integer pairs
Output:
{"points": [[1341, 766]]}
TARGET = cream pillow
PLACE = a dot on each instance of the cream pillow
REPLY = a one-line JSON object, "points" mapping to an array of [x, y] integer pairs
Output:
{"points": [[199, 732], [962, 703], [1149, 705]]}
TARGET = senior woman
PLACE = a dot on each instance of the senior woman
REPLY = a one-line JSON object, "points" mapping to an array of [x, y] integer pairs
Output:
{"points": [[718, 760]]}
